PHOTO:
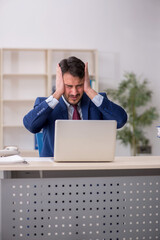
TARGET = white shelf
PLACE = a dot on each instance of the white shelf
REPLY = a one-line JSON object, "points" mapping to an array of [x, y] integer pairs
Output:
{"points": [[12, 126], [26, 74], [92, 76], [12, 75], [18, 100], [29, 153]]}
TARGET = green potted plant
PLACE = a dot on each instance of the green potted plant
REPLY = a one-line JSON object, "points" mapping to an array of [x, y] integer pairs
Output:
{"points": [[133, 95]]}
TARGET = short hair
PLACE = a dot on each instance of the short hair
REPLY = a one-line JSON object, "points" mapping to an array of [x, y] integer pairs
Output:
{"points": [[73, 65]]}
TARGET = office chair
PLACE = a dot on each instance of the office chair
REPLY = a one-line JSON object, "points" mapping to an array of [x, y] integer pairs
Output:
{"points": [[39, 138]]}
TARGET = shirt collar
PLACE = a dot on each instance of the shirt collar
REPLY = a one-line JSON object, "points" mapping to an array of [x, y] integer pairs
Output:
{"points": [[68, 104]]}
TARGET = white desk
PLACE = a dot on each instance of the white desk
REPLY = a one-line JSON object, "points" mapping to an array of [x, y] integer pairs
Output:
{"points": [[120, 163], [82, 201]]}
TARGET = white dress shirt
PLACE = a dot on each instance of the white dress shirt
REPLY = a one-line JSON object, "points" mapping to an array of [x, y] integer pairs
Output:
{"points": [[52, 102]]}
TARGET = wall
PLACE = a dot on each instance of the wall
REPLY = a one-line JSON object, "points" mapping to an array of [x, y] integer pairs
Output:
{"points": [[125, 32]]}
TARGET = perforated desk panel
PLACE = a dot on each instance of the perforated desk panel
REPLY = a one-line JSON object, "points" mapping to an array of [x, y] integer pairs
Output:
{"points": [[90, 208]]}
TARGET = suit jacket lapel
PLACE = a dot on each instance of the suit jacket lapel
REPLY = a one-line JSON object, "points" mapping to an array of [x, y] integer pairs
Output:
{"points": [[85, 106], [64, 111]]}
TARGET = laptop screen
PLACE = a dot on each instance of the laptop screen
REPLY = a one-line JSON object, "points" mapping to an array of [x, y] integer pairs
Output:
{"points": [[85, 140]]}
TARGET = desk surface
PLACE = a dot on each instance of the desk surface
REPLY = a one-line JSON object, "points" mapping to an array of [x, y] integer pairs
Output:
{"points": [[46, 164]]}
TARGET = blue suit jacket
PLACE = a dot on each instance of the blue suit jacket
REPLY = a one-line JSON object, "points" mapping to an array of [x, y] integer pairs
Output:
{"points": [[44, 117]]}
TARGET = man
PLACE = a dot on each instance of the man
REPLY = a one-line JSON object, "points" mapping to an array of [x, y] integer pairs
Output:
{"points": [[73, 98]]}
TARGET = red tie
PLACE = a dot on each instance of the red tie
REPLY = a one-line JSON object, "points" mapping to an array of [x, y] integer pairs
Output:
{"points": [[76, 115]]}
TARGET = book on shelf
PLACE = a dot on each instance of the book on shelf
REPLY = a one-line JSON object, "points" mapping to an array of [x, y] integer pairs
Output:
{"points": [[93, 83]]}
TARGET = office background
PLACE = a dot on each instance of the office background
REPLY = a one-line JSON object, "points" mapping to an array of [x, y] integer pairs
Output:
{"points": [[126, 34]]}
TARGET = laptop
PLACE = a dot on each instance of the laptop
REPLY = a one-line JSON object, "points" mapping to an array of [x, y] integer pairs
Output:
{"points": [[85, 140]]}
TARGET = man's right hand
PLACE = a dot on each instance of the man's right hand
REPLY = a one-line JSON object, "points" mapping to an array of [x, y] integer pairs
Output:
{"points": [[59, 83]]}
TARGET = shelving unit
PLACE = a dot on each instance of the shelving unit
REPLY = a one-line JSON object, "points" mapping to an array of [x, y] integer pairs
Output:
{"points": [[24, 75]]}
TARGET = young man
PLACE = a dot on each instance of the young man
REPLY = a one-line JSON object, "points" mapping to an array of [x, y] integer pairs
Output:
{"points": [[73, 99]]}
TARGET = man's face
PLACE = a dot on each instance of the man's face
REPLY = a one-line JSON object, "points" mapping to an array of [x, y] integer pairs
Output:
{"points": [[73, 88]]}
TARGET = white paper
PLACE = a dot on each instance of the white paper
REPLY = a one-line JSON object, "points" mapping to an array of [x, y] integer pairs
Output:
{"points": [[12, 159], [40, 159]]}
